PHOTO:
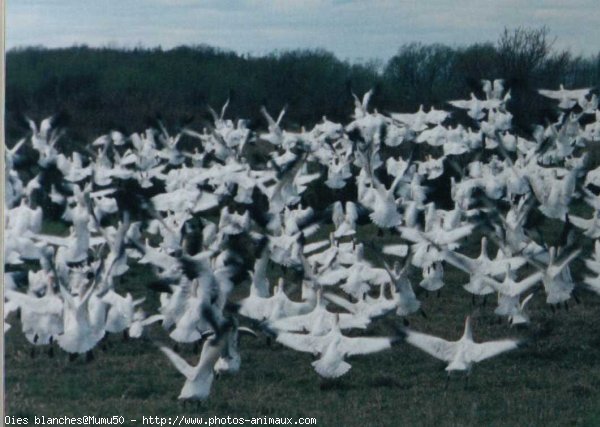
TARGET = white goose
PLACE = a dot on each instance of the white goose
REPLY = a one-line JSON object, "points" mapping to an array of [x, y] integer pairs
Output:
{"points": [[199, 378], [462, 354], [79, 335], [333, 348], [140, 321], [567, 98]]}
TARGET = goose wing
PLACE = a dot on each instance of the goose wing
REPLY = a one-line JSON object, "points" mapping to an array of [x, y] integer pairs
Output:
{"points": [[412, 234], [342, 302], [180, 364], [151, 319], [301, 342], [436, 347], [483, 351], [295, 323], [446, 237], [364, 345], [556, 269], [553, 94], [460, 261], [37, 305], [580, 222]]}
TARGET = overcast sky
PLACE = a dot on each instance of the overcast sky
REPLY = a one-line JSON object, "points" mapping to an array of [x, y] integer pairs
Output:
{"points": [[352, 29]]}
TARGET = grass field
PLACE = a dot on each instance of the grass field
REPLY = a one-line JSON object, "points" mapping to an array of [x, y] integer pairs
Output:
{"points": [[553, 380]]}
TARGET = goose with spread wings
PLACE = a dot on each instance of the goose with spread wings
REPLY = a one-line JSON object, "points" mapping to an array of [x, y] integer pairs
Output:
{"points": [[462, 354], [333, 348]]}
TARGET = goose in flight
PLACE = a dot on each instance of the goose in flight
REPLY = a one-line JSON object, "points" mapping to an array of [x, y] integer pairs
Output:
{"points": [[462, 354], [80, 334], [366, 306], [319, 321], [567, 98], [140, 321], [119, 316], [275, 135], [199, 378], [402, 291], [513, 308], [426, 245], [360, 107], [590, 227], [231, 360], [481, 267], [556, 277], [41, 318], [333, 347], [493, 90]]}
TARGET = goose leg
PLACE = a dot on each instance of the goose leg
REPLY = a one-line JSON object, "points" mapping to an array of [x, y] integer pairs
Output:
{"points": [[89, 356], [473, 302], [423, 313], [406, 322], [72, 357], [439, 293], [467, 381], [447, 382], [484, 302], [125, 335], [104, 342], [566, 306], [51, 349], [176, 348], [32, 353]]}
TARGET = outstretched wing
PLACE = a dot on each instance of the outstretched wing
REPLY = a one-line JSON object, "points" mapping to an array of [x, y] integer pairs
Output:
{"points": [[301, 342], [364, 345], [436, 347], [180, 364], [486, 350]]}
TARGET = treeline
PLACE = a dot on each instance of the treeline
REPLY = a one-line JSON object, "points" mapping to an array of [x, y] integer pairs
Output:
{"points": [[107, 88]]}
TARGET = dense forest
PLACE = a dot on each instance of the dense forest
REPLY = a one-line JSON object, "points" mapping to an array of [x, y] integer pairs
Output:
{"points": [[107, 88]]}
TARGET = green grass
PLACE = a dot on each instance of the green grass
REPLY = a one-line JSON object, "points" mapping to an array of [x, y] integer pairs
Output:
{"points": [[553, 380]]}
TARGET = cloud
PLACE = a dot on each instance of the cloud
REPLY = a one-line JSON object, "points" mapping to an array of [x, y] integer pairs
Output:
{"points": [[349, 28]]}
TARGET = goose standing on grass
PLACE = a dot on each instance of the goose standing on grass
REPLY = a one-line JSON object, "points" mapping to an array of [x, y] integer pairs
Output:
{"points": [[462, 354]]}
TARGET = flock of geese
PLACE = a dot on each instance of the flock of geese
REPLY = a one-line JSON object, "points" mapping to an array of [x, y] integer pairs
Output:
{"points": [[216, 229]]}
